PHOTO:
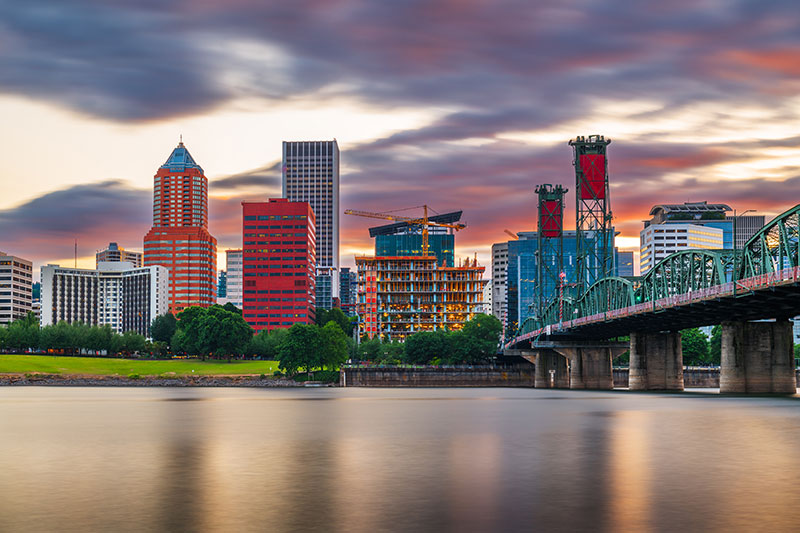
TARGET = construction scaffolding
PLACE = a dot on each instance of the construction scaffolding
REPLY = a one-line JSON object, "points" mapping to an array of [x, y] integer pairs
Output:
{"points": [[402, 295]]}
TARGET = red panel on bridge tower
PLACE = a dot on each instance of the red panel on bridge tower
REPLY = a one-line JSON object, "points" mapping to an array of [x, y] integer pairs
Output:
{"points": [[551, 218], [594, 171]]}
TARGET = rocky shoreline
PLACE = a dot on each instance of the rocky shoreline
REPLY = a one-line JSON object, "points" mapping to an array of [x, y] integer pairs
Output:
{"points": [[67, 380]]}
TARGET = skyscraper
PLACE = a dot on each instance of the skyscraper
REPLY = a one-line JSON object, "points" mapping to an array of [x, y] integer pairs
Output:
{"points": [[179, 239], [278, 264], [311, 174]]}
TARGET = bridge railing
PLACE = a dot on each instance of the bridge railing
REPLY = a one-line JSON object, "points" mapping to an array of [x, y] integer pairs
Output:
{"points": [[763, 281]]}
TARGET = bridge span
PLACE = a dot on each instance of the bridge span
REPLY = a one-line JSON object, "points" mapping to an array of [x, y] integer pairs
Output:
{"points": [[752, 293]]}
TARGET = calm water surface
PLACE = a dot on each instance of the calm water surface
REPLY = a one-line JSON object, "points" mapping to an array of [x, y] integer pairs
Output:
{"points": [[110, 459]]}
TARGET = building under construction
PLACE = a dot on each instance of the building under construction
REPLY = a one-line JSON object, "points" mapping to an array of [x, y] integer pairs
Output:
{"points": [[401, 295], [409, 286]]}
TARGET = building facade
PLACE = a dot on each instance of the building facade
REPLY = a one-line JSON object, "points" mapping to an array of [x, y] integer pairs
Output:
{"points": [[117, 294], [114, 253], [348, 290], [310, 173], [179, 239], [498, 281], [16, 288], [624, 263], [746, 226], [278, 260], [399, 296], [233, 264], [222, 286], [678, 227]]}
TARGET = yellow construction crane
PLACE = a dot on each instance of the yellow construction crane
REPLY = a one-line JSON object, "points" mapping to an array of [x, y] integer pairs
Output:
{"points": [[424, 222], [512, 234]]}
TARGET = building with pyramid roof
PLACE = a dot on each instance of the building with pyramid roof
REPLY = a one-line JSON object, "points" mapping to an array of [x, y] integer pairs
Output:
{"points": [[179, 239]]}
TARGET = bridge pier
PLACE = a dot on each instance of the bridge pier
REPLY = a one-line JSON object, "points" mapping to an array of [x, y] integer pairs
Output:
{"points": [[656, 361], [757, 357], [589, 367], [547, 360]]}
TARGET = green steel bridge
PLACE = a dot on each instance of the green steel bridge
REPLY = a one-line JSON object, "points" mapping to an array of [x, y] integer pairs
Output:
{"points": [[686, 289]]}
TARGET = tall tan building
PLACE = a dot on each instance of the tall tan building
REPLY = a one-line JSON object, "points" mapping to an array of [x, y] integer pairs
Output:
{"points": [[16, 287]]}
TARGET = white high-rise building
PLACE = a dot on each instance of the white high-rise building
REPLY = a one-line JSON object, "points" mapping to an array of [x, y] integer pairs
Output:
{"points": [[499, 278], [16, 287], [233, 266], [311, 174], [659, 241], [117, 293]]}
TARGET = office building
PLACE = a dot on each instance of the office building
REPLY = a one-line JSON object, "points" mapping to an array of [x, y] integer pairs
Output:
{"points": [[746, 226], [310, 173], [498, 281], [522, 273], [114, 253], [678, 227], [222, 285], [179, 239], [399, 296], [402, 239], [624, 264], [233, 264], [16, 287], [348, 290], [116, 293], [278, 264], [487, 298]]}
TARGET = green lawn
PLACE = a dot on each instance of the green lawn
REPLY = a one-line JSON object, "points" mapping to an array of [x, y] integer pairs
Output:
{"points": [[49, 364]]}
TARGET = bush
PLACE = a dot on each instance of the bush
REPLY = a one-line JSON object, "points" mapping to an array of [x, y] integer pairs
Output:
{"points": [[324, 376], [277, 374], [134, 376]]}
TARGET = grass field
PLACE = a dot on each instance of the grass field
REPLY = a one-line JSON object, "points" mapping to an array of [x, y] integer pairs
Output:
{"points": [[48, 364]]}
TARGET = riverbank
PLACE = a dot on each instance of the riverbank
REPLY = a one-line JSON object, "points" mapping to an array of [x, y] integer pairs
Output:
{"points": [[83, 380]]}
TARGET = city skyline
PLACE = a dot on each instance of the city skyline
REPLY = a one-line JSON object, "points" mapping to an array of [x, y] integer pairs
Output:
{"points": [[470, 109]]}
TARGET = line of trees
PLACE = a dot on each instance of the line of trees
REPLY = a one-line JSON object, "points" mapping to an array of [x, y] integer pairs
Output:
{"points": [[477, 342], [25, 334]]}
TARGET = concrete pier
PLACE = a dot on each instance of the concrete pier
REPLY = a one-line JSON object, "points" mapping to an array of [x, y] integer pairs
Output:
{"points": [[656, 361], [589, 368], [757, 357], [546, 361]]}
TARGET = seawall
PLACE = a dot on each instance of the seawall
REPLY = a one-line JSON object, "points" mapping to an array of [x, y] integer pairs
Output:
{"points": [[516, 376]]}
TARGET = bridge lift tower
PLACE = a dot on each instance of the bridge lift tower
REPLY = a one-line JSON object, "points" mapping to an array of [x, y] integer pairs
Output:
{"points": [[594, 232], [550, 250]]}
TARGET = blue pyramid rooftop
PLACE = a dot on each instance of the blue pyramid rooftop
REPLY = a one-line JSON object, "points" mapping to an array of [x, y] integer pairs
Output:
{"points": [[180, 159]]}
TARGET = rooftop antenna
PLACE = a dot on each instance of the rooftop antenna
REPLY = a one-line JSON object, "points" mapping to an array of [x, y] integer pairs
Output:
{"points": [[76, 253], [181, 136]]}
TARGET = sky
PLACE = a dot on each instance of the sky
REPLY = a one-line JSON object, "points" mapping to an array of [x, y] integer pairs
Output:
{"points": [[458, 104]]}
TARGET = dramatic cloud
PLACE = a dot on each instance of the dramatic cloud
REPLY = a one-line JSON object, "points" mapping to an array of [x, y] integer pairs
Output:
{"points": [[700, 98], [44, 229]]}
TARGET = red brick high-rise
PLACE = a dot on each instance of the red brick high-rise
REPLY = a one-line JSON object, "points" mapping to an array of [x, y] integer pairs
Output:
{"points": [[179, 239], [279, 260]]}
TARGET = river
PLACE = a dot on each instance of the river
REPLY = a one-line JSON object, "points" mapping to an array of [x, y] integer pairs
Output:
{"points": [[367, 460]]}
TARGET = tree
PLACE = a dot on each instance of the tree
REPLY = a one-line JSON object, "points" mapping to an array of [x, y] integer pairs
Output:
{"points": [[190, 324], [133, 342], [232, 308], [797, 351], [301, 348], [477, 341], [3, 337], [694, 345], [334, 345], [368, 350], [23, 333], [337, 315], [715, 345], [224, 332], [266, 344], [423, 347], [163, 327]]}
